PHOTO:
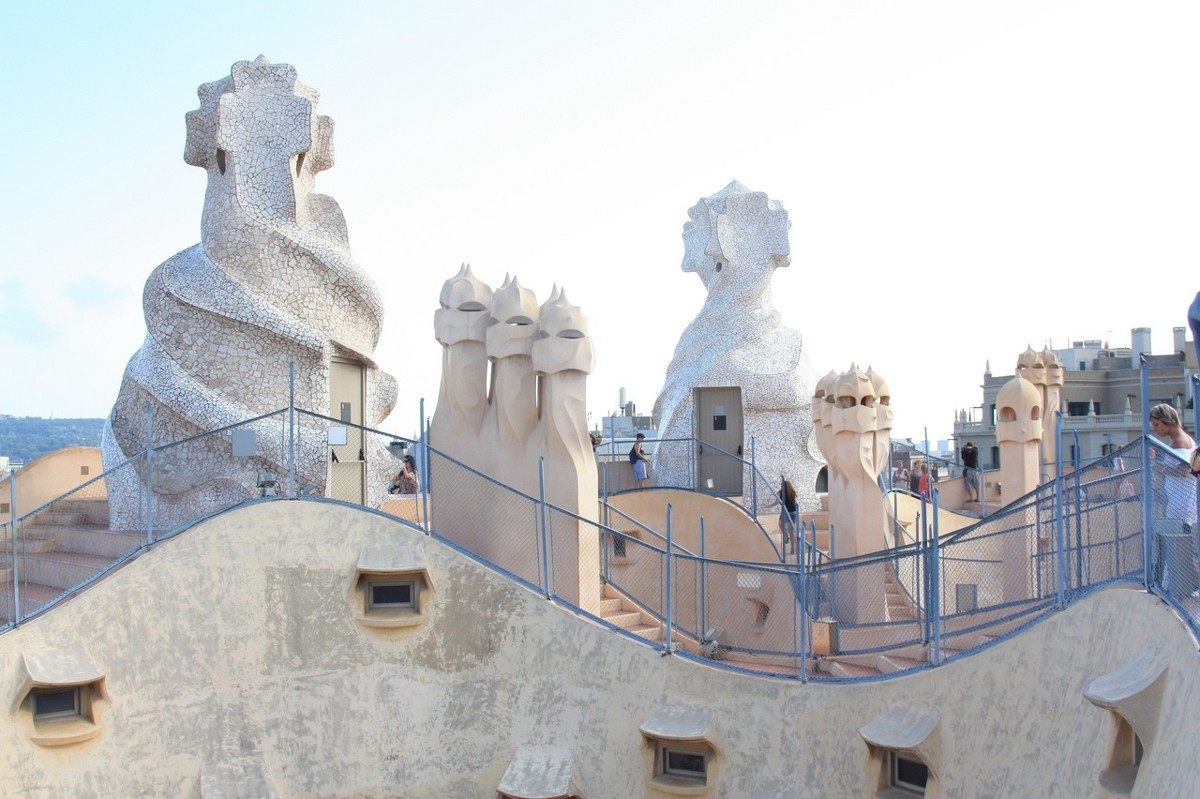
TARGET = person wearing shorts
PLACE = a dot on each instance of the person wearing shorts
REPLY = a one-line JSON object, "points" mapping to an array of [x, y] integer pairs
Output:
{"points": [[641, 464]]}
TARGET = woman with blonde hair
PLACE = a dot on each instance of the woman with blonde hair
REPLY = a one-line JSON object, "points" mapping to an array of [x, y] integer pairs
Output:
{"points": [[1166, 424]]}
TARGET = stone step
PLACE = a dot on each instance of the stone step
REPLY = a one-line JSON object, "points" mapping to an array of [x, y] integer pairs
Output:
{"points": [[57, 517], [62, 570], [890, 663], [100, 542], [837, 668], [610, 605], [651, 632], [96, 510], [624, 619]]}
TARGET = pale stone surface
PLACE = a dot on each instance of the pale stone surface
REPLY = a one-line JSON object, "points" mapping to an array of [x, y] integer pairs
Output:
{"points": [[853, 414], [734, 242], [1045, 371], [535, 413], [271, 282], [1019, 432], [253, 656]]}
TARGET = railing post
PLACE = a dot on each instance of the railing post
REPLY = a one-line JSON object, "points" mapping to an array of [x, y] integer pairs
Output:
{"points": [[1196, 427], [832, 570], [149, 474], [703, 582], [1078, 512], [753, 481], [669, 614], [542, 517], [1060, 565], [802, 567], [692, 469], [12, 528], [426, 460], [291, 428], [935, 584], [1147, 480]]}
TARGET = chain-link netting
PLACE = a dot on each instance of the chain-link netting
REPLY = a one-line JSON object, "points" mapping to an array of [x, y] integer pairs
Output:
{"points": [[488, 518], [637, 569], [212, 471], [1173, 532], [64, 544], [920, 601], [8, 613]]}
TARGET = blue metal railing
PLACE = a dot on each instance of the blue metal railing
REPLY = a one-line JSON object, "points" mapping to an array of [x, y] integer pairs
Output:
{"points": [[1105, 523]]}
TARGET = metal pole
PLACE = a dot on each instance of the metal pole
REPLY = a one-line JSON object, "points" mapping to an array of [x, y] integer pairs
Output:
{"points": [[149, 474], [16, 564], [802, 565], [935, 582], [1059, 533], [426, 459], [694, 477], [1077, 511], [832, 571], [703, 582], [542, 516], [753, 480], [291, 428], [1196, 429], [669, 614], [1147, 478]]}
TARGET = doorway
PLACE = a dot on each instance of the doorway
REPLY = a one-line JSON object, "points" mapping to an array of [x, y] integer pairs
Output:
{"points": [[347, 467], [719, 430]]}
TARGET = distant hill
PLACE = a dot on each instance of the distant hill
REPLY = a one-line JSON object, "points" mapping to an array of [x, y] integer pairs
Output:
{"points": [[28, 437]]}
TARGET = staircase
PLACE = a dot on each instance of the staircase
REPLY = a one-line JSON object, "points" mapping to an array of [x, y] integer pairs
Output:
{"points": [[620, 612], [899, 607], [61, 547]]}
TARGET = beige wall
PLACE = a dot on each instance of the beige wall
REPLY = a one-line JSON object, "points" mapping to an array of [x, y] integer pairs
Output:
{"points": [[237, 640], [51, 476]]}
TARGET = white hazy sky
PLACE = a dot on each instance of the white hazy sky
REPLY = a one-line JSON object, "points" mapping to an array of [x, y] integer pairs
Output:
{"points": [[963, 178]]}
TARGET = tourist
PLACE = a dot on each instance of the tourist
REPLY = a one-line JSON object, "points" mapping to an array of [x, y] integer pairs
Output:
{"points": [[788, 508], [914, 479], [407, 482], [970, 462], [641, 464], [1166, 424], [923, 480], [900, 476]]}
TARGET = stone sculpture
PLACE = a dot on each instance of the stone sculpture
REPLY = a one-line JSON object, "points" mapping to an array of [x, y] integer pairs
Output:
{"points": [[734, 241], [853, 413], [272, 282], [1044, 370], [855, 416], [532, 421]]}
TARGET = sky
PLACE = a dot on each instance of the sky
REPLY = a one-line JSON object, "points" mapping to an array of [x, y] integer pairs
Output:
{"points": [[963, 179]]}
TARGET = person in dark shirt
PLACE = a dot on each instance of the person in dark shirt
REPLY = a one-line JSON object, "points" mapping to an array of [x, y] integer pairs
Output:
{"points": [[970, 462]]}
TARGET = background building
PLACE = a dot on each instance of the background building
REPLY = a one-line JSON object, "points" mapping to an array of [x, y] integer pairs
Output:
{"points": [[1101, 396]]}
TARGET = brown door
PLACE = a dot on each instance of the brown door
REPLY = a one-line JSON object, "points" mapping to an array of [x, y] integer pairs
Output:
{"points": [[719, 449]]}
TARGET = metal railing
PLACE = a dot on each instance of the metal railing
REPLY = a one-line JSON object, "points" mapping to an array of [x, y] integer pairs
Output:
{"points": [[1129, 518]]}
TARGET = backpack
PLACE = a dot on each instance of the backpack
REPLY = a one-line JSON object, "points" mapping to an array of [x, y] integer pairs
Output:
{"points": [[633, 458]]}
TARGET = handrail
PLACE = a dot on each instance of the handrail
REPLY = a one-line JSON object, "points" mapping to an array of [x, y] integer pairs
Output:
{"points": [[1001, 613]]}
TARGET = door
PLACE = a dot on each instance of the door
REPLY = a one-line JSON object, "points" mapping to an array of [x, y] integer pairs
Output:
{"points": [[719, 449], [347, 466]]}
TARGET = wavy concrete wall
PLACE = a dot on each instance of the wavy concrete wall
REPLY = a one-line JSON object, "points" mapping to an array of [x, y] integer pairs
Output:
{"points": [[233, 650]]}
